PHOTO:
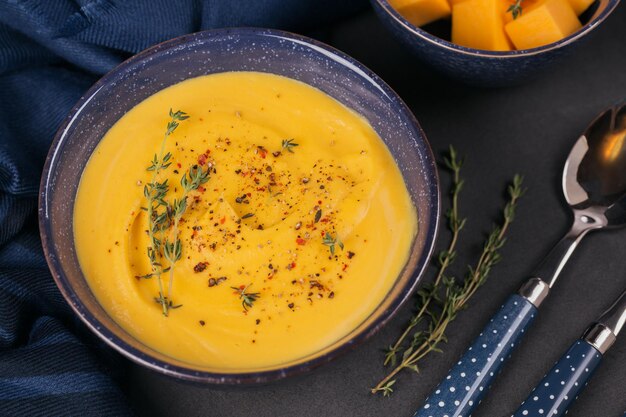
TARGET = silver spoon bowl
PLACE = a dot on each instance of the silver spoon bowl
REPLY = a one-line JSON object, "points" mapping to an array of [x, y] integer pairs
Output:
{"points": [[594, 185]]}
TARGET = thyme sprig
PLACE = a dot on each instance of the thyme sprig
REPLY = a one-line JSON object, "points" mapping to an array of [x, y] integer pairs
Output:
{"points": [[289, 144], [158, 216], [247, 298], [445, 258], [440, 304], [164, 217], [515, 9], [331, 242]]}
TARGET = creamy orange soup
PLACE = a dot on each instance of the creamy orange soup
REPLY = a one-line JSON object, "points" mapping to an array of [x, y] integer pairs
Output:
{"points": [[297, 234]]}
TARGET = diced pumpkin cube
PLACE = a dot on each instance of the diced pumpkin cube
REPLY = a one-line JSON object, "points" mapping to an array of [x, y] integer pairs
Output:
{"points": [[479, 24], [421, 12], [548, 22], [580, 6]]}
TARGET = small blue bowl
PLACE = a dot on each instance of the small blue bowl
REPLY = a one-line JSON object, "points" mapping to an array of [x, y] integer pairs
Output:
{"points": [[210, 52], [480, 67]]}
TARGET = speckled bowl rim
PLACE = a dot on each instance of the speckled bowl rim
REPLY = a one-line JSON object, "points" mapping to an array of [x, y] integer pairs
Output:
{"points": [[260, 376], [421, 33]]}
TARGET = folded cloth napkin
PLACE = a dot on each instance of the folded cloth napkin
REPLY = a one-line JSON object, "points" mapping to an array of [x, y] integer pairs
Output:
{"points": [[51, 51]]}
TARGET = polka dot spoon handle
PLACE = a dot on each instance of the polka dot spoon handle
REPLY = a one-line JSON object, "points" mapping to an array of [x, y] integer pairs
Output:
{"points": [[561, 386], [471, 377]]}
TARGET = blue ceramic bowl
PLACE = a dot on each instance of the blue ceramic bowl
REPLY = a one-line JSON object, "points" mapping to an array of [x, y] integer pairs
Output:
{"points": [[480, 67], [212, 52]]}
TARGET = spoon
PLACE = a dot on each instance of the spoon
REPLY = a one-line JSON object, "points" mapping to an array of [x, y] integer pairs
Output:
{"points": [[594, 184], [561, 386]]}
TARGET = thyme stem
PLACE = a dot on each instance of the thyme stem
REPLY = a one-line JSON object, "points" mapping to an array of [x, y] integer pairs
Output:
{"points": [[155, 193], [449, 296]]}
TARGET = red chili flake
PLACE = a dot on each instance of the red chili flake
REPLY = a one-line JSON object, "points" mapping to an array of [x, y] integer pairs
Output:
{"points": [[202, 158], [201, 189], [202, 323], [201, 266], [325, 220], [350, 254], [319, 201], [223, 220], [331, 295], [262, 151], [345, 266], [300, 241], [178, 164], [290, 305]]}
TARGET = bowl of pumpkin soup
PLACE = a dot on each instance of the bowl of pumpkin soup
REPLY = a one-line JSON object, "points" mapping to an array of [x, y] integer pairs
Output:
{"points": [[236, 206]]}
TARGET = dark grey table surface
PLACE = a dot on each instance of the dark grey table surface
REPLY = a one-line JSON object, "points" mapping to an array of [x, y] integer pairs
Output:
{"points": [[527, 129]]}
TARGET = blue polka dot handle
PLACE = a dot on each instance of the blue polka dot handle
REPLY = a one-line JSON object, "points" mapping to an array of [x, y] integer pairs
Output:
{"points": [[471, 377], [561, 386]]}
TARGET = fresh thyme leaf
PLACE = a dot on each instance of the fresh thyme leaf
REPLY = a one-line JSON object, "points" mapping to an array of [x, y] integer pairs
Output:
{"points": [[515, 9], [386, 389], [164, 300], [247, 216], [331, 241], [194, 178], [440, 303], [247, 298], [318, 215], [173, 251], [289, 144]]}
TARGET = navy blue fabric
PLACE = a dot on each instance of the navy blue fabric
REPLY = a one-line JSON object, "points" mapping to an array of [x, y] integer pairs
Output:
{"points": [[51, 51]]}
